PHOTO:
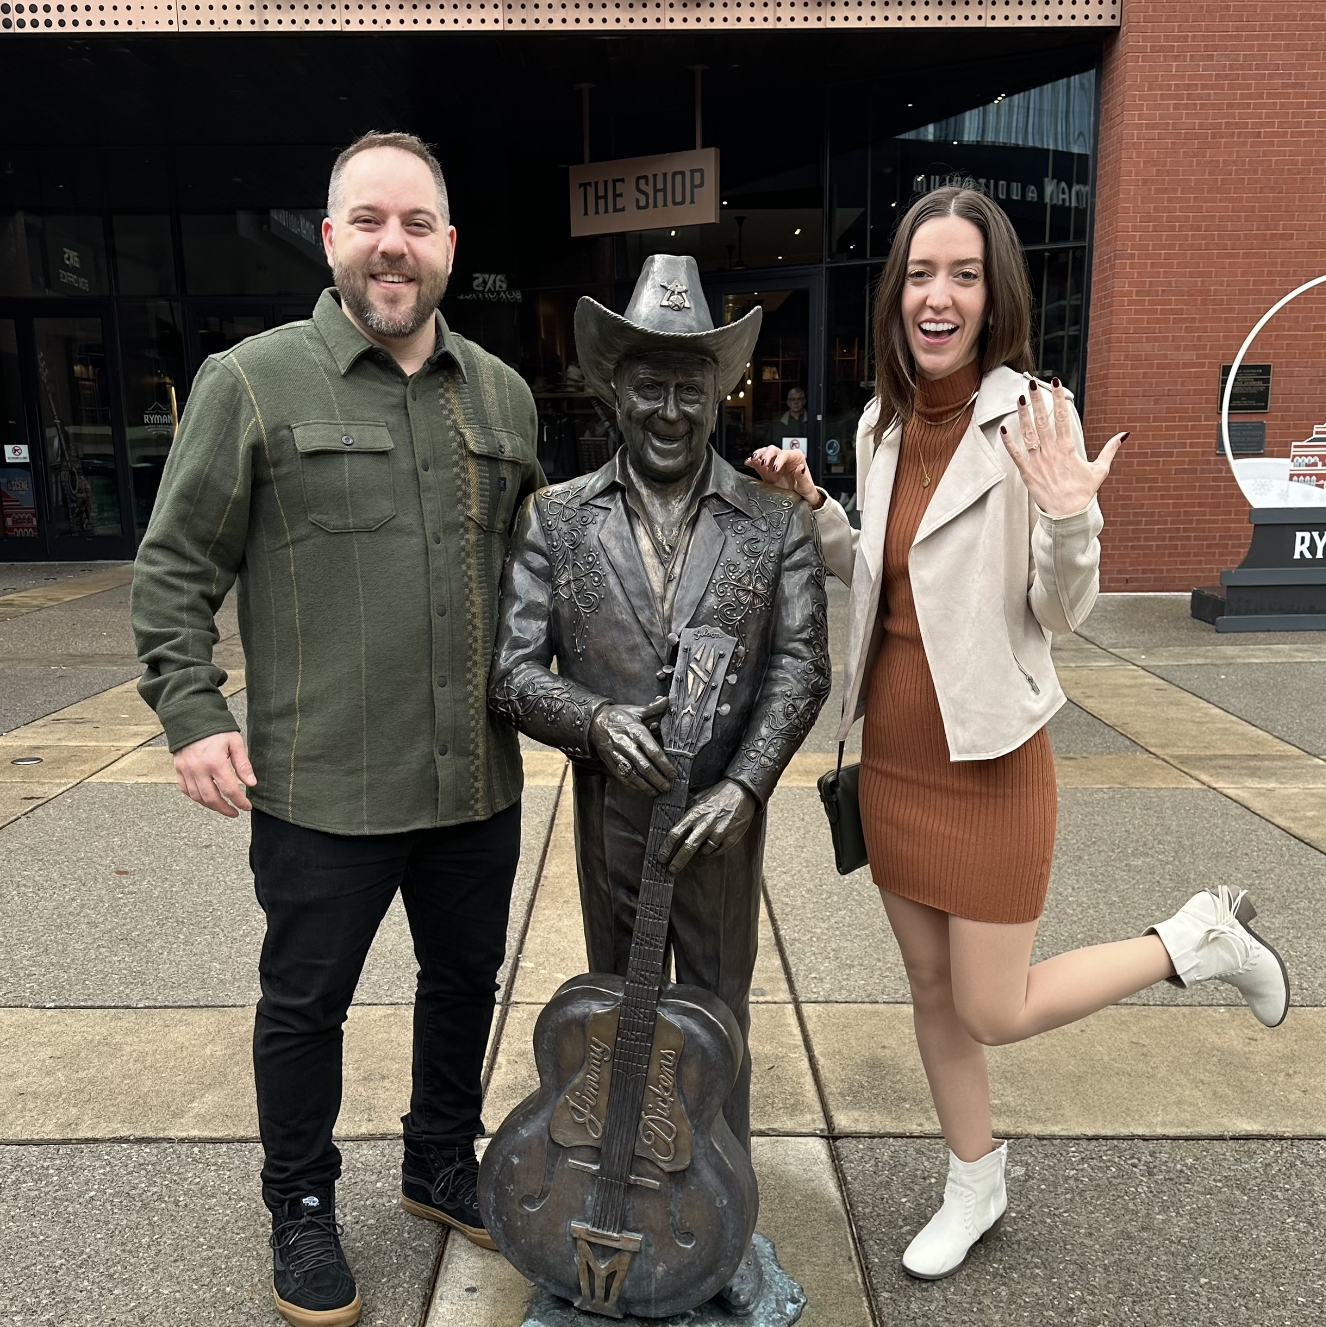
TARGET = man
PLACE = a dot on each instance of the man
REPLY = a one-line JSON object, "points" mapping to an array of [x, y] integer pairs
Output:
{"points": [[604, 572], [356, 475], [792, 427]]}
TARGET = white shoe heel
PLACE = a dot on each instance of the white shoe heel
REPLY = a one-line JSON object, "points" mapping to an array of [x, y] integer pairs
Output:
{"points": [[975, 1201], [1209, 939]]}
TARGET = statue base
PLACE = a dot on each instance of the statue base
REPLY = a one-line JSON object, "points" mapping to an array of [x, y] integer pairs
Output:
{"points": [[780, 1305]]}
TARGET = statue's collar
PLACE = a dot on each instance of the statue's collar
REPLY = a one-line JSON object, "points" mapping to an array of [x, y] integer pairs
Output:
{"points": [[724, 482]]}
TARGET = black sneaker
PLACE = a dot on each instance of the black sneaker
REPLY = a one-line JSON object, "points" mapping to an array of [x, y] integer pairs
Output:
{"points": [[441, 1184], [311, 1279]]}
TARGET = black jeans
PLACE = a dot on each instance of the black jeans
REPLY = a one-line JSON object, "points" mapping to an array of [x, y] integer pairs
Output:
{"points": [[324, 896]]}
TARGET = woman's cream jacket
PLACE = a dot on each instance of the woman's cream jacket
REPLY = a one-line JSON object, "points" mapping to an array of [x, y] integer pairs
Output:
{"points": [[992, 578]]}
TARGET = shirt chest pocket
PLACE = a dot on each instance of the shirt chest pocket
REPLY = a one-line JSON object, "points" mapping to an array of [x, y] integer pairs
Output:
{"points": [[346, 472], [493, 457]]}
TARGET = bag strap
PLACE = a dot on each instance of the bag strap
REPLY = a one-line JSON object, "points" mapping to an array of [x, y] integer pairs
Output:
{"points": [[841, 745]]}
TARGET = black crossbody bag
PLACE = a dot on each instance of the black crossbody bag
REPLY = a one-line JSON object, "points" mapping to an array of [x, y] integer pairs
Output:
{"points": [[842, 804]]}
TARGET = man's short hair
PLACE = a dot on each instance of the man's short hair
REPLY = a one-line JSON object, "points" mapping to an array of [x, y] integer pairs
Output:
{"points": [[410, 143]]}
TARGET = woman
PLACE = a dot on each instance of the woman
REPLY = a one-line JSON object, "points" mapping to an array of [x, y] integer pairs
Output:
{"points": [[978, 540]]}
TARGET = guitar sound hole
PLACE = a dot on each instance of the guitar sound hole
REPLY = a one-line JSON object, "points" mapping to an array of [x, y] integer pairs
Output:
{"points": [[684, 1238], [532, 1202]]}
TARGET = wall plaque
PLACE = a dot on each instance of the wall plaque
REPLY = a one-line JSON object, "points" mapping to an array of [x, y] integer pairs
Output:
{"points": [[645, 193], [1252, 389], [1247, 437]]}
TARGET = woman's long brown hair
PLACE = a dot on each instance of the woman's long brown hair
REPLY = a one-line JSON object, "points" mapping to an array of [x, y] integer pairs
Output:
{"points": [[1006, 336]]}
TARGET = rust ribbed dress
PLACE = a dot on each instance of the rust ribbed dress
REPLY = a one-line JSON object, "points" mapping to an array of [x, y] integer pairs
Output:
{"points": [[973, 838]]}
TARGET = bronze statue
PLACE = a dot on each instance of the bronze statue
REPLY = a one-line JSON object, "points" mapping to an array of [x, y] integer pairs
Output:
{"points": [[605, 573], [624, 1147]]}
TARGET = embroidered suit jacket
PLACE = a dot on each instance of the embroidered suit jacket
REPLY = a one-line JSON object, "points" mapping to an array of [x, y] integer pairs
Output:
{"points": [[575, 590]]}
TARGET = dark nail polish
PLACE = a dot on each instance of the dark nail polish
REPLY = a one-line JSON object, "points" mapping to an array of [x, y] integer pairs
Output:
{"points": [[1003, 430], [1125, 436], [1022, 400], [1054, 382], [1033, 385]]}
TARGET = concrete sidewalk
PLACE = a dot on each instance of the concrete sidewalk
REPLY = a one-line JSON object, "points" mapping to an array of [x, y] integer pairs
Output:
{"points": [[1167, 1154]]}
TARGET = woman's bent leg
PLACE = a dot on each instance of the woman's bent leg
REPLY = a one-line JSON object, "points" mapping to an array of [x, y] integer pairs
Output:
{"points": [[954, 1062], [1000, 998]]}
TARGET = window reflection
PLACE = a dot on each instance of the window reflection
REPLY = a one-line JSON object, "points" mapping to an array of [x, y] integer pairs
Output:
{"points": [[52, 255], [152, 346], [277, 252], [757, 412], [1030, 151], [775, 220], [850, 379], [18, 493], [144, 255], [73, 402]]}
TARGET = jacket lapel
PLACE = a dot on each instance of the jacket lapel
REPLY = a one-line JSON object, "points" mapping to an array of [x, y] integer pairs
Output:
{"points": [[972, 471], [619, 547], [979, 463], [697, 572], [878, 496]]}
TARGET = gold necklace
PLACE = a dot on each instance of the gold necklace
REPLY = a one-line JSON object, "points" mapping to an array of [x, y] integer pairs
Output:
{"points": [[939, 423]]}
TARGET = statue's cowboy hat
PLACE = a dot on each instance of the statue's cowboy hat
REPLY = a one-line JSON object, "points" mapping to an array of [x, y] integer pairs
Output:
{"points": [[666, 312]]}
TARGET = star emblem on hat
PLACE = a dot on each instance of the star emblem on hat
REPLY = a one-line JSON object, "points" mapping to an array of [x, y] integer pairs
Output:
{"points": [[674, 296], [667, 311]]}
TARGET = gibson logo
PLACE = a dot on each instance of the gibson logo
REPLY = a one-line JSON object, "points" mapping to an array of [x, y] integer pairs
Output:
{"points": [[658, 1131], [585, 1099]]}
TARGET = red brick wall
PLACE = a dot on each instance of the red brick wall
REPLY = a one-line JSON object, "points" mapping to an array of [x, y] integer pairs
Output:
{"points": [[1210, 205]]}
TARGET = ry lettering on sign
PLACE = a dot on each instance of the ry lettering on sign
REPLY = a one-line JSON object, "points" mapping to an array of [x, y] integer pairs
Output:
{"points": [[1309, 544], [645, 193]]}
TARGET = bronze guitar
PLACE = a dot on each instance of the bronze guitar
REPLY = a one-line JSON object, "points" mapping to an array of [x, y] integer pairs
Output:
{"points": [[618, 1184]]}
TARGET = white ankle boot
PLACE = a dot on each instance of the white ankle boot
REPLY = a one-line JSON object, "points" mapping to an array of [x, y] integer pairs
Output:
{"points": [[974, 1201], [1209, 938]]}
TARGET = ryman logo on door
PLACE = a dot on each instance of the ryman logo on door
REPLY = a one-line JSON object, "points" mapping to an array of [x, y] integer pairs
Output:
{"points": [[645, 193]]}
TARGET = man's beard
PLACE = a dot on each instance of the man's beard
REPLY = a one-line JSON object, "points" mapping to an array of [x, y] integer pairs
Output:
{"points": [[352, 282]]}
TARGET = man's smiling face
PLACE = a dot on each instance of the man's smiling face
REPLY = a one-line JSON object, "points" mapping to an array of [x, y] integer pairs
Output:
{"points": [[666, 408], [390, 247]]}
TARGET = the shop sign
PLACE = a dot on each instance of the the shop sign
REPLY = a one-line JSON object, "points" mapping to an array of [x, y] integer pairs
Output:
{"points": [[645, 193]]}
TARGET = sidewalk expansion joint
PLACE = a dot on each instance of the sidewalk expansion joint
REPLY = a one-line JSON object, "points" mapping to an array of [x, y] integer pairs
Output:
{"points": [[23, 602], [1272, 778], [80, 742], [509, 989], [858, 1250]]}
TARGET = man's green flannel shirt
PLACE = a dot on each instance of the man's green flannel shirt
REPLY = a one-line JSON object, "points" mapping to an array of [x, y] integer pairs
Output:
{"points": [[364, 517]]}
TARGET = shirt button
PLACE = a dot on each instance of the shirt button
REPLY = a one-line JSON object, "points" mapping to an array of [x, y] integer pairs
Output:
{"points": [[424, 465], [501, 447], [442, 750], [348, 441], [441, 681], [437, 538], [442, 610]]}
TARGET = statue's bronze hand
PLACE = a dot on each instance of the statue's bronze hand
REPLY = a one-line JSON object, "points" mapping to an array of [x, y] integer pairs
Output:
{"points": [[713, 823], [621, 737]]}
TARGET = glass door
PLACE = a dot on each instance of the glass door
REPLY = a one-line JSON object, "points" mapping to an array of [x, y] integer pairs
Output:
{"points": [[64, 481], [19, 528], [217, 327], [779, 402]]}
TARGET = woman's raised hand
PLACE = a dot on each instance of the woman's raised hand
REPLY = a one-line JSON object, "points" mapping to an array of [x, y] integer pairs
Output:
{"points": [[1059, 478], [785, 469]]}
